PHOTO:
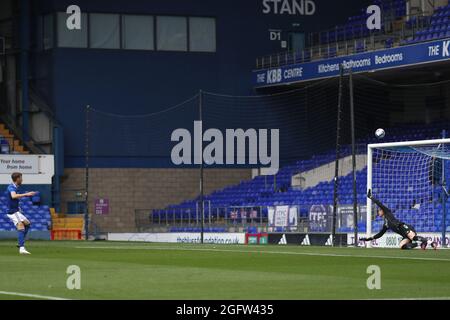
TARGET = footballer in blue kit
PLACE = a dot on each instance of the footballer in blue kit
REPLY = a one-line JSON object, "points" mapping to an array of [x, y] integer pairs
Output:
{"points": [[14, 214]]}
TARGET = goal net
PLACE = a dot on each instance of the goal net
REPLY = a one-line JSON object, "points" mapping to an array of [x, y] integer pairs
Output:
{"points": [[407, 177]]}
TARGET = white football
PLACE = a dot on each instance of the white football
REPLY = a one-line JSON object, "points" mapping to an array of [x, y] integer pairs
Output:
{"points": [[380, 133]]}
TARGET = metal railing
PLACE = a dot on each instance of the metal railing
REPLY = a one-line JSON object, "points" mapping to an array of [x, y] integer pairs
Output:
{"points": [[224, 219], [392, 35], [191, 217]]}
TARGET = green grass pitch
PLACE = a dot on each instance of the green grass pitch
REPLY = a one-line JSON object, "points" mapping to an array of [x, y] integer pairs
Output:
{"points": [[118, 270]]}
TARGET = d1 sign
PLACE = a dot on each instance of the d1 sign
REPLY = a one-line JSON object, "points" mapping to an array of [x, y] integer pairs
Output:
{"points": [[101, 206]]}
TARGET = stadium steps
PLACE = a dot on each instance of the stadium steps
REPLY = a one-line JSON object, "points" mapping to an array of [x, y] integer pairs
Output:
{"points": [[66, 227], [53, 213], [68, 223], [326, 172], [14, 144]]}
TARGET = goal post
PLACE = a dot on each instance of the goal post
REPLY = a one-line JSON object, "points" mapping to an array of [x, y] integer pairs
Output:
{"points": [[409, 177]]}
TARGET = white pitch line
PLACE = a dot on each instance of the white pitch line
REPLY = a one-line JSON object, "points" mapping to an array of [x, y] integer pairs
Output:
{"points": [[269, 252], [29, 295]]}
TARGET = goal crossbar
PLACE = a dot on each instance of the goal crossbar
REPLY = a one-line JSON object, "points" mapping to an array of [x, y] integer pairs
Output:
{"points": [[407, 143]]}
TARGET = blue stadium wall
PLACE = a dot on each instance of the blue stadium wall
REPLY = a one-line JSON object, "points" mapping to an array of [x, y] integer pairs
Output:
{"points": [[137, 82]]}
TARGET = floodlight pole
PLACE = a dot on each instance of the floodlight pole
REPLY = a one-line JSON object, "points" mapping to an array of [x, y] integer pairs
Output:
{"points": [[355, 197], [86, 192], [338, 151], [202, 209]]}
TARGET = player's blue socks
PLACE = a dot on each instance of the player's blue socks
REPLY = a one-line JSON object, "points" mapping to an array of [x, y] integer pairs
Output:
{"points": [[27, 228], [22, 235]]}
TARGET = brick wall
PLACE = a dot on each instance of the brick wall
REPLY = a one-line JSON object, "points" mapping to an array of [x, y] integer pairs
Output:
{"points": [[130, 189]]}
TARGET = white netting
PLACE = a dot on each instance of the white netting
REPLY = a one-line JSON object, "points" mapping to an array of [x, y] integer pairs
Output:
{"points": [[406, 179]]}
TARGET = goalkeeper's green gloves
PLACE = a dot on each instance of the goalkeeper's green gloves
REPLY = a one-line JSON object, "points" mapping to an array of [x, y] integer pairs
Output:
{"points": [[366, 239]]}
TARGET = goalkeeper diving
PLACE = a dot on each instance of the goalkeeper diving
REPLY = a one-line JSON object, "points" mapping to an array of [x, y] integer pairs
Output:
{"points": [[410, 238]]}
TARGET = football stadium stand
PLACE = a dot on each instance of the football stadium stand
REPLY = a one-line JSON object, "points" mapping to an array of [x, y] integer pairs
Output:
{"points": [[437, 27], [112, 135], [398, 27], [264, 191]]}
